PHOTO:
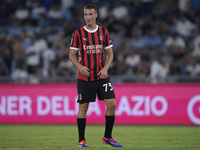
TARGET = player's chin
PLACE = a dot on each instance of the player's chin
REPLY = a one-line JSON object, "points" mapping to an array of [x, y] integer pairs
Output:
{"points": [[89, 23]]}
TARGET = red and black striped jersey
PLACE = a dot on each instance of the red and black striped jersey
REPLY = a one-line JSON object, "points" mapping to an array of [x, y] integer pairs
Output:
{"points": [[91, 46]]}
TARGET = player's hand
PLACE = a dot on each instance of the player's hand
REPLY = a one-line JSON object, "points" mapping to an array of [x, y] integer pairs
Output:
{"points": [[102, 73], [84, 71]]}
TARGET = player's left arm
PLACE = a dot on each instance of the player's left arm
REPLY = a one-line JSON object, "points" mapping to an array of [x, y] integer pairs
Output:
{"points": [[104, 71]]}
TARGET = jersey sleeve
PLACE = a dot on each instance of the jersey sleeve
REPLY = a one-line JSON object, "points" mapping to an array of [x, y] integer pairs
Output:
{"points": [[74, 45], [108, 41]]}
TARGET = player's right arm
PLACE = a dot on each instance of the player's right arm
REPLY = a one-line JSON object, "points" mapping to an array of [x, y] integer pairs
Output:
{"points": [[83, 69]]}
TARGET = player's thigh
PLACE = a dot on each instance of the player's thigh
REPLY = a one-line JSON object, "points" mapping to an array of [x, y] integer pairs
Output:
{"points": [[83, 107]]}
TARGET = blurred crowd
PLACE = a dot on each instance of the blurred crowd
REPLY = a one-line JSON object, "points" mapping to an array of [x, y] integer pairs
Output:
{"points": [[154, 38]]}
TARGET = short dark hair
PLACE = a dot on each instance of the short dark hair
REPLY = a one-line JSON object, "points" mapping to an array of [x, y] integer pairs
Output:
{"points": [[91, 6]]}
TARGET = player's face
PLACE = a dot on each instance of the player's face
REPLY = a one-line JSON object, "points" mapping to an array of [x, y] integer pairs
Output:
{"points": [[90, 16]]}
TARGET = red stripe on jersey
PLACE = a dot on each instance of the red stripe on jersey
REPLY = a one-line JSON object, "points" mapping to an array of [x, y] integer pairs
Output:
{"points": [[91, 57], [74, 38], [85, 53], [84, 43], [80, 48], [97, 54], [102, 51], [108, 38], [79, 45]]}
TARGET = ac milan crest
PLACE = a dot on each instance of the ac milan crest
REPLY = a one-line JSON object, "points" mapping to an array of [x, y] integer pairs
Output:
{"points": [[80, 96], [100, 37]]}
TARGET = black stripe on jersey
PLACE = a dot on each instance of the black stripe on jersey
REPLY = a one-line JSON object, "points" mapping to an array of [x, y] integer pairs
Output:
{"points": [[88, 55], [95, 58], [82, 50]]}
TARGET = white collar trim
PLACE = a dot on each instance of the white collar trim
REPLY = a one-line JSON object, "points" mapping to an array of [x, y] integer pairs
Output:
{"points": [[91, 31]]}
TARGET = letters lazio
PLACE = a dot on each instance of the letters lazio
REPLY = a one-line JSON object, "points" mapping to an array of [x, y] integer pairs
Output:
{"points": [[62, 106]]}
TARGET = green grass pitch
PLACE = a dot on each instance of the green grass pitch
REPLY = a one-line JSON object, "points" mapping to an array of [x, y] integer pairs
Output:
{"points": [[65, 137]]}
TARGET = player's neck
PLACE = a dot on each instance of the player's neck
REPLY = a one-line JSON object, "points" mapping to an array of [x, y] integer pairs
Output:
{"points": [[91, 26]]}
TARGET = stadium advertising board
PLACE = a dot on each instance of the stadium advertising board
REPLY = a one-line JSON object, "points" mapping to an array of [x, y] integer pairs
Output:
{"points": [[158, 104]]}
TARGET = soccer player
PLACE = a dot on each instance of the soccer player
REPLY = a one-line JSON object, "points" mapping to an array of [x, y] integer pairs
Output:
{"points": [[91, 41]]}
